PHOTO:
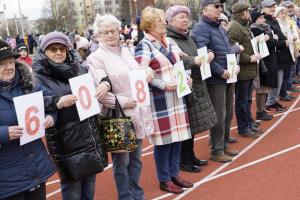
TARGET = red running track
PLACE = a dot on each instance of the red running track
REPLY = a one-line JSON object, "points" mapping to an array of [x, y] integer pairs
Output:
{"points": [[266, 169]]}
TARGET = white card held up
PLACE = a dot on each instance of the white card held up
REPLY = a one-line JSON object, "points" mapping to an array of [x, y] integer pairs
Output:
{"points": [[31, 114], [254, 44], [182, 86], [139, 87], [232, 68], [205, 66], [262, 46], [83, 87]]}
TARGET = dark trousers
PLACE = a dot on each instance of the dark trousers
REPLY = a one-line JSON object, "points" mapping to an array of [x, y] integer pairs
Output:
{"points": [[243, 102], [37, 194], [222, 99], [286, 82], [167, 160], [187, 151]]}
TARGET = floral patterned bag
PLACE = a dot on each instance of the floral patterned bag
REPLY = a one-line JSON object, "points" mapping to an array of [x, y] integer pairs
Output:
{"points": [[117, 131]]}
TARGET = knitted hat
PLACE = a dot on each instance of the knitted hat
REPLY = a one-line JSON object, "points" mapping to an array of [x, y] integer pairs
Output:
{"points": [[174, 10], [21, 46], [54, 37], [255, 15], [239, 7], [6, 51], [278, 10], [82, 43]]}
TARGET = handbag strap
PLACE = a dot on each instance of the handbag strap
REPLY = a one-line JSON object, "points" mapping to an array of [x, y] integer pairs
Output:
{"points": [[118, 109]]}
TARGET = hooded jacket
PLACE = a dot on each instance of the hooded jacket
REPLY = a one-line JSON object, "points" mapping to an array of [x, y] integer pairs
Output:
{"points": [[21, 167]]}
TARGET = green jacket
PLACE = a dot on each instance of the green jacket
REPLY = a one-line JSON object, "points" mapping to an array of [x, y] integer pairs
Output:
{"points": [[239, 32]]}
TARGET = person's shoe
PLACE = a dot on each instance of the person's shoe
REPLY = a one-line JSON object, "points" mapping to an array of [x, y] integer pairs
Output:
{"points": [[294, 90], [220, 157], [232, 139], [280, 107], [296, 81], [263, 116], [275, 107], [190, 168], [250, 134], [256, 130], [255, 124], [170, 187], [199, 162], [231, 152], [181, 182], [286, 98]]}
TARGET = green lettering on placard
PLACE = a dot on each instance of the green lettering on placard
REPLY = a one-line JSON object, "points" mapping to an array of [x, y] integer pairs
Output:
{"points": [[182, 87]]}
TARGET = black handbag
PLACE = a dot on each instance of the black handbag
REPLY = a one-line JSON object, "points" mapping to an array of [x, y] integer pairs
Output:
{"points": [[117, 131]]}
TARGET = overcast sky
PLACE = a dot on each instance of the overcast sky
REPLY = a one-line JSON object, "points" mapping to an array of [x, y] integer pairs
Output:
{"points": [[30, 8]]}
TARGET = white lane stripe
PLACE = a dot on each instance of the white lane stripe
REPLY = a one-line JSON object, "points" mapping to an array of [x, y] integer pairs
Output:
{"points": [[197, 184], [53, 193], [238, 168], [163, 196]]}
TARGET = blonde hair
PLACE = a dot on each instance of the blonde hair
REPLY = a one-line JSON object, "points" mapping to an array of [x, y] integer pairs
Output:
{"points": [[149, 16]]}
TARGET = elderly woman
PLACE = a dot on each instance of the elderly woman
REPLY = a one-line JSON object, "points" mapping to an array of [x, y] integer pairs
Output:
{"points": [[23, 169], [74, 145], [200, 109], [171, 122], [115, 61]]}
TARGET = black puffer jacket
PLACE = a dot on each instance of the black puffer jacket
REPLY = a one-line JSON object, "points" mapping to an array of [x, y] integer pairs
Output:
{"points": [[74, 145]]}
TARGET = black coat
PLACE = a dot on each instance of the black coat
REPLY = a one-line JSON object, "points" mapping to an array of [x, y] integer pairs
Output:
{"points": [[270, 77], [74, 145], [201, 112], [284, 57]]}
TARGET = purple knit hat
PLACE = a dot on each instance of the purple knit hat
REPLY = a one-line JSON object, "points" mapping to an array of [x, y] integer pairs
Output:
{"points": [[174, 10], [54, 37]]}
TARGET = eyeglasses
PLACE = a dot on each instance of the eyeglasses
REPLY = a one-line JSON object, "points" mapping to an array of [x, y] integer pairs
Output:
{"points": [[217, 6], [111, 31], [54, 49]]}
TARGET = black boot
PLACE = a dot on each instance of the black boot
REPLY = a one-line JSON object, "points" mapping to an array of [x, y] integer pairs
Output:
{"points": [[263, 116]]}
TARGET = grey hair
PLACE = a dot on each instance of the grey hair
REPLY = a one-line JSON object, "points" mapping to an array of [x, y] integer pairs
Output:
{"points": [[104, 20]]}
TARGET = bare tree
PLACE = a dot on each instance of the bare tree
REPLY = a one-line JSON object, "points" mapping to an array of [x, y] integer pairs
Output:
{"points": [[125, 11], [57, 15]]}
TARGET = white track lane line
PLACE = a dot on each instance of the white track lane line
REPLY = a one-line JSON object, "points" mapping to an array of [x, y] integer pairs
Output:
{"points": [[149, 147], [197, 184]]}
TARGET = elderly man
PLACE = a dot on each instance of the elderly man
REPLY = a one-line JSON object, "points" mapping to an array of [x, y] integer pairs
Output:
{"points": [[208, 32], [239, 32]]}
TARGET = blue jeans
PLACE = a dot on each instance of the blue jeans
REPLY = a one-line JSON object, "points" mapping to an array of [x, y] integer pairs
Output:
{"points": [[167, 160], [127, 169], [243, 101], [79, 190]]}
